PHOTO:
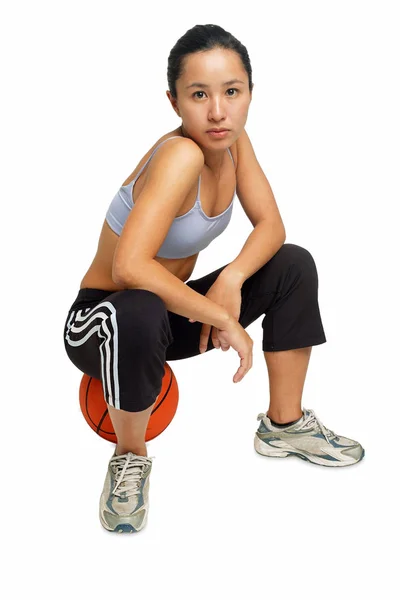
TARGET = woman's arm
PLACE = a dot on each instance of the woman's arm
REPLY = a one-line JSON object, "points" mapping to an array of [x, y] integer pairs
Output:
{"points": [[178, 297], [172, 173]]}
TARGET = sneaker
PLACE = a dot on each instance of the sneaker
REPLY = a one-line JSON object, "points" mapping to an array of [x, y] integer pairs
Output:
{"points": [[309, 440], [124, 502]]}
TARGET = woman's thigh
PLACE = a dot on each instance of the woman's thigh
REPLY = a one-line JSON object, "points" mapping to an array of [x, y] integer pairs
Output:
{"points": [[104, 329]]}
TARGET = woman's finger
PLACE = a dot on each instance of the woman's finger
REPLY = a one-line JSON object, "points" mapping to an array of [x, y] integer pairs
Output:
{"points": [[246, 363], [204, 335], [214, 337]]}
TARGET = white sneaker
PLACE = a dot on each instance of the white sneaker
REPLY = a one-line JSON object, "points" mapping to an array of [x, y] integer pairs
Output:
{"points": [[124, 502], [309, 440]]}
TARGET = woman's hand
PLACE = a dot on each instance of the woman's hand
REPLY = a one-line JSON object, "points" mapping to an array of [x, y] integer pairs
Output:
{"points": [[226, 293]]}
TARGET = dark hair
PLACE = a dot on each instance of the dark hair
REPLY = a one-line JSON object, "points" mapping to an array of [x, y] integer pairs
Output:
{"points": [[200, 38]]}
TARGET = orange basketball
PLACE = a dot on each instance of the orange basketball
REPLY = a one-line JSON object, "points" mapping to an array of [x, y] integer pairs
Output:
{"points": [[94, 407]]}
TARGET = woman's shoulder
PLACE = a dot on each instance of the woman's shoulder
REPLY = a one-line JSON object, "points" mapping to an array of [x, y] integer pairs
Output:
{"points": [[176, 139], [177, 135]]}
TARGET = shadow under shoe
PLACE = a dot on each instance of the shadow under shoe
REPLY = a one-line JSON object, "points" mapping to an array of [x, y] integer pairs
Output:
{"points": [[124, 502]]}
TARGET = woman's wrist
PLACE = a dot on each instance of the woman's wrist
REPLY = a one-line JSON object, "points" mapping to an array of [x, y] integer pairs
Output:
{"points": [[232, 276], [228, 322]]}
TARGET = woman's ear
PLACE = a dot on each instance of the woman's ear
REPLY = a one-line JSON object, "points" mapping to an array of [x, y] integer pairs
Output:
{"points": [[173, 102]]}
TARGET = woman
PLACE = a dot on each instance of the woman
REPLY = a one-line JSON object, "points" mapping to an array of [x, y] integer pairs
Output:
{"points": [[136, 309]]}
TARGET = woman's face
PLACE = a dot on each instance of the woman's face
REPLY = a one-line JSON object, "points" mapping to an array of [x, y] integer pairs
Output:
{"points": [[207, 96]]}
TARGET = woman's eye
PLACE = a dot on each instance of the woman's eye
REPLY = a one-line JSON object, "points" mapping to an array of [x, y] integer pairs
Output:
{"points": [[229, 90]]}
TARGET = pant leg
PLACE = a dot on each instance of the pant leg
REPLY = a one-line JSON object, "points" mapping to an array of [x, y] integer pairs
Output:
{"points": [[285, 290], [292, 318], [121, 339]]}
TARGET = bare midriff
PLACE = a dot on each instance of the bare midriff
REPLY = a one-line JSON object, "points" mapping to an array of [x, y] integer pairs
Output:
{"points": [[215, 198]]}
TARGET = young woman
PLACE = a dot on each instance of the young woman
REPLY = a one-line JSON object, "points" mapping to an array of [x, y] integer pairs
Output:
{"points": [[136, 307]]}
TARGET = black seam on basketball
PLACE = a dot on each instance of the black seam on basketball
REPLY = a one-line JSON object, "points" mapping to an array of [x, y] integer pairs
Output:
{"points": [[101, 421]]}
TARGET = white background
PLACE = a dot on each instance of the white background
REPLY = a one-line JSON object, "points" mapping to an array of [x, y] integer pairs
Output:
{"points": [[83, 100]]}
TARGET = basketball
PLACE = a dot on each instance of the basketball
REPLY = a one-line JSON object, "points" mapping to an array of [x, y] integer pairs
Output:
{"points": [[94, 406]]}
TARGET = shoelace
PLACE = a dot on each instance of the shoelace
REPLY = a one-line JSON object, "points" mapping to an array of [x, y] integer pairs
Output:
{"points": [[129, 472], [310, 420]]}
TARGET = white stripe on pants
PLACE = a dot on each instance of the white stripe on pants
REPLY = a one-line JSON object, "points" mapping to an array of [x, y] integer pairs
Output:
{"points": [[108, 347]]}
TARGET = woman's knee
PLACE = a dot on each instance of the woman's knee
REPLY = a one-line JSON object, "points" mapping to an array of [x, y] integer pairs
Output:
{"points": [[292, 254]]}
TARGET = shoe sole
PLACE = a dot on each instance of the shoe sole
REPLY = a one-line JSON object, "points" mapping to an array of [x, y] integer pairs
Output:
{"points": [[265, 450]]}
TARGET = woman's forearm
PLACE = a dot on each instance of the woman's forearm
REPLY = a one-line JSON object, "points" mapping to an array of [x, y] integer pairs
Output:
{"points": [[178, 297]]}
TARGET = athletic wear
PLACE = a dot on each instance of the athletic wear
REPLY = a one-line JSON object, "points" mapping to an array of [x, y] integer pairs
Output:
{"points": [[124, 502], [189, 234], [124, 338], [308, 439]]}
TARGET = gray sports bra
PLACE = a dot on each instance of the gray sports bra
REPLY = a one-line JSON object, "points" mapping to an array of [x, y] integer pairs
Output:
{"points": [[189, 234]]}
